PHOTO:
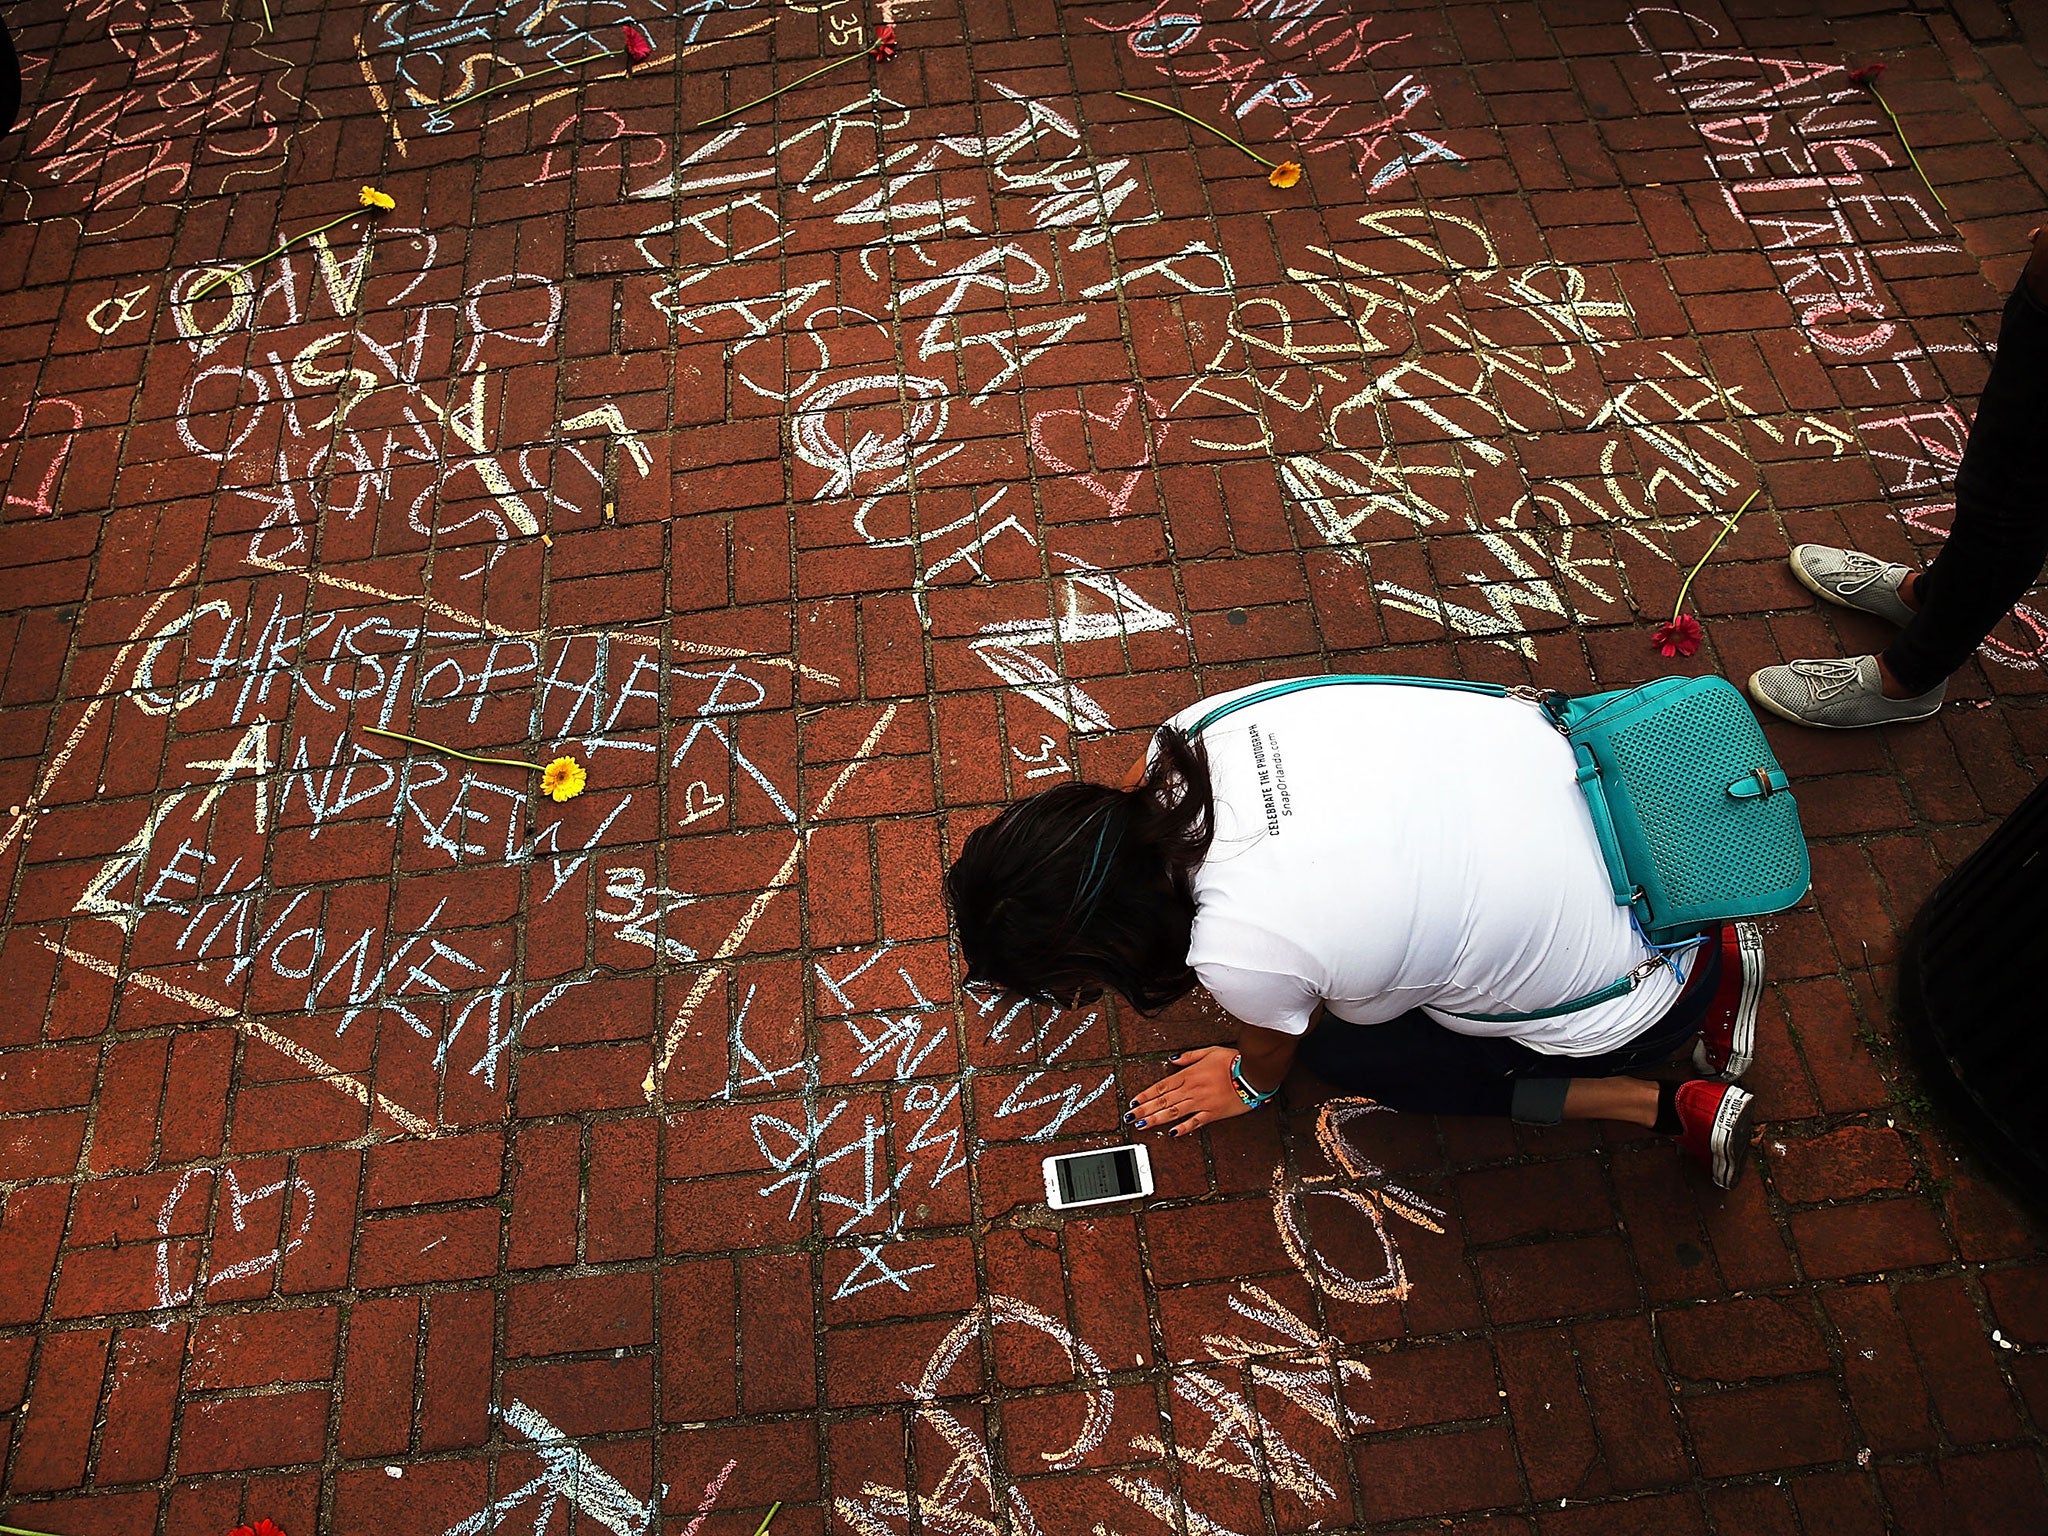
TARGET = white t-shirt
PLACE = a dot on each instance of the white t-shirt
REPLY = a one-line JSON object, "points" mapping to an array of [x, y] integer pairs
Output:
{"points": [[1381, 848]]}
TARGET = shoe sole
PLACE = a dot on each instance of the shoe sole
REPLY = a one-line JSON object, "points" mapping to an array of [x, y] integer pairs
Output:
{"points": [[1763, 699], [1729, 1139], [1821, 592], [1749, 949]]}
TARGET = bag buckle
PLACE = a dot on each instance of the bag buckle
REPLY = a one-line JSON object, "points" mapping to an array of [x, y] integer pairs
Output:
{"points": [[1542, 698]]}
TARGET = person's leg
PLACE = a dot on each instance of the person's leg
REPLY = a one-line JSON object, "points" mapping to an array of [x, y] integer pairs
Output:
{"points": [[1413, 1063], [1995, 550], [1999, 538]]}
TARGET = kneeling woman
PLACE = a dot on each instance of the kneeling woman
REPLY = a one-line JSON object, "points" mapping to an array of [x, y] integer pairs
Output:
{"points": [[1400, 884]]}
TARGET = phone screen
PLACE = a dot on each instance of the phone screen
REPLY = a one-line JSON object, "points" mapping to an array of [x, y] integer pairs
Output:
{"points": [[1098, 1175]]}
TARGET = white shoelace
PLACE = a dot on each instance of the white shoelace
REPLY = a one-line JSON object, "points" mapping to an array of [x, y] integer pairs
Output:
{"points": [[1860, 570], [1825, 679]]}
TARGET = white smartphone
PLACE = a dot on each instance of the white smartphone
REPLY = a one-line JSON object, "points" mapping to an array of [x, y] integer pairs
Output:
{"points": [[1097, 1178]]}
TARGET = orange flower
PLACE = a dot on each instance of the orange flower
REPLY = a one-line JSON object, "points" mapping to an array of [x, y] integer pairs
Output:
{"points": [[563, 779], [1285, 174]]}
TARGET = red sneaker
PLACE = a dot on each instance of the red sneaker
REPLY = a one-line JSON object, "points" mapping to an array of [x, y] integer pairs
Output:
{"points": [[1713, 1127], [1727, 1043]]}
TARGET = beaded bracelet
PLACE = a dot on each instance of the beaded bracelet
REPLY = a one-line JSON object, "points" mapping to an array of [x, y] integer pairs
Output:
{"points": [[1251, 1096]]}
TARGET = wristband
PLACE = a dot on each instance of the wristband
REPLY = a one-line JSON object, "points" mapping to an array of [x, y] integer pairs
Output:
{"points": [[1245, 1091]]}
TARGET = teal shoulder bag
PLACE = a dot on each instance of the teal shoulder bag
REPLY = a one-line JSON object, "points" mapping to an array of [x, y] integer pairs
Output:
{"points": [[1696, 820]]}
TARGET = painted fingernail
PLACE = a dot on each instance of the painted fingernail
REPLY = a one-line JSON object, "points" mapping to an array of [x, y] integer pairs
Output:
{"points": [[1130, 1117], [1139, 1124]]}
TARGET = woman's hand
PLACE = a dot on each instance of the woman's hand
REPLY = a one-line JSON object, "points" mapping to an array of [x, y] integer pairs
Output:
{"points": [[1199, 1094]]}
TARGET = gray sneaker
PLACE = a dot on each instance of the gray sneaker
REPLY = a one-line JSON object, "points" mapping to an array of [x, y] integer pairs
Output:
{"points": [[1839, 695], [1853, 579]]}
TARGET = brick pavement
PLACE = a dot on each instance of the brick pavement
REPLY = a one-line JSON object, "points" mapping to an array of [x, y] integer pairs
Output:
{"points": [[383, 1150]]}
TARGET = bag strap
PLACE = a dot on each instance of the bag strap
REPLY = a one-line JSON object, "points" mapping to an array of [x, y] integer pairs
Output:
{"points": [[1298, 684], [1621, 986]]}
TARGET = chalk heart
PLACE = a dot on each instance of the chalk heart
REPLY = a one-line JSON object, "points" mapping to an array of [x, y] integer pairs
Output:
{"points": [[1116, 496], [699, 802]]}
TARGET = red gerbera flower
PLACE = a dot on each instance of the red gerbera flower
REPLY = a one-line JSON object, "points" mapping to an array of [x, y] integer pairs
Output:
{"points": [[260, 1528], [1867, 75], [1680, 637], [885, 42], [638, 48]]}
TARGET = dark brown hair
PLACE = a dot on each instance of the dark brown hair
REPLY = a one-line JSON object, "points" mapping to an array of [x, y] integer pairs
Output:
{"points": [[1085, 887]]}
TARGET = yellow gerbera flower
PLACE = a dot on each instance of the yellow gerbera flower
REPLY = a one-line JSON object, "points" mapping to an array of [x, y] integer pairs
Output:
{"points": [[563, 779], [370, 197], [1285, 174]]}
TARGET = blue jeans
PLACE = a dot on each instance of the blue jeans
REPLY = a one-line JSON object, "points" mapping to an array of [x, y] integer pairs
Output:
{"points": [[1999, 539], [1414, 1063]]}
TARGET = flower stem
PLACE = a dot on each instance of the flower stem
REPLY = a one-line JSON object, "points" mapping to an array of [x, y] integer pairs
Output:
{"points": [[16, 1530], [765, 1519], [467, 757], [506, 85], [1176, 111], [1908, 148], [827, 69], [1727, 527], [217, 278]]}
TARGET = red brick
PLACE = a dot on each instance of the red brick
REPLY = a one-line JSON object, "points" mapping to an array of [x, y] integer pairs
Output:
{"points": [[377, 1381], [558, 1317], [39, 1146], [1552, 1424], [1999, 1491], [323, 1221], [1669, 1514], [1533, 1199], [1840, 1165], [691, 1462], [31, 1226], [699, 1341], [1428, 1384], [439, 1245], [95, 1282], [1868, 1237], [619, 1223], [50, 1077], [231, 1434], [130, 1092], [1631, 1403], [456, 1392], [1884, 1384], [1213, 1242], [2019, 1300], [432, 1172], [57, 1429], [261, 1349], [1958, 1361], [587, 1397], [873, 1364], [1563, 1278], [1737, 1340], [135, 1444], [546, 1185], [198, 1083], [1107, 1284], [1402, 1479], [1764, 1429]]}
